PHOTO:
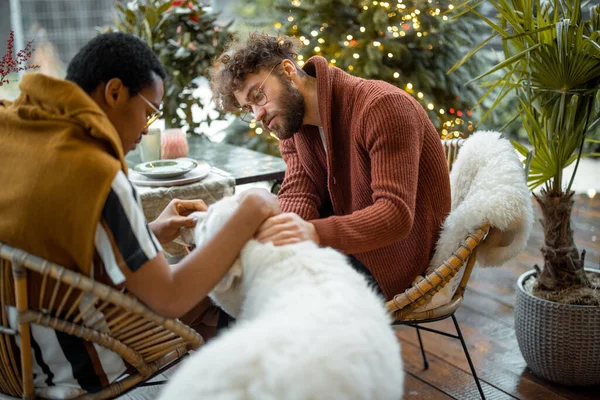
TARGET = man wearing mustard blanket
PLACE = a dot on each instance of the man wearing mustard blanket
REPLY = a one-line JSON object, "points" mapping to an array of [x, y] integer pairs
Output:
{"points": [[66, 198]]}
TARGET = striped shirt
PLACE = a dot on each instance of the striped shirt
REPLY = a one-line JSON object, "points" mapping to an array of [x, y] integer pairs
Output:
{"points": [[66, 366]]}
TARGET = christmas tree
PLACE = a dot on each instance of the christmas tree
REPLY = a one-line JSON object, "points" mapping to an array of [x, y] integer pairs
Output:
{"points": [[409, 43]]}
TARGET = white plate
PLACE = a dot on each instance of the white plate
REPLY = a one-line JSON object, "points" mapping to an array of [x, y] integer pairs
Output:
{"points": [[163, 169], [200, 172]]}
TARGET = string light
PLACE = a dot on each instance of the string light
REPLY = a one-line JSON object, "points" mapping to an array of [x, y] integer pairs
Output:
{"points": [[403, 21]]}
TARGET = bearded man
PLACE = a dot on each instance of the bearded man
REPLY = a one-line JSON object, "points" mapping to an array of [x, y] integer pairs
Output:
{"points": [[366, 171]]}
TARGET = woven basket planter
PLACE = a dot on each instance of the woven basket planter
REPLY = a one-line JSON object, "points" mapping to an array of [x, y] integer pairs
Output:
{"points": [[560, 342]]}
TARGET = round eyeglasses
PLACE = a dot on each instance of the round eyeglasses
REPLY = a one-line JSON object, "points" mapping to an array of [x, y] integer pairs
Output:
{"points": [[256, 97]]}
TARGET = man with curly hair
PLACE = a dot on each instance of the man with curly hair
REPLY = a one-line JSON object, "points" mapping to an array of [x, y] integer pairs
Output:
{"points": [[366, 172]]}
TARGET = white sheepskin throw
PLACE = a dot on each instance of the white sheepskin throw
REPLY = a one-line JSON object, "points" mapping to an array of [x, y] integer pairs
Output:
{"points": [[308, 327], [488, 186]]}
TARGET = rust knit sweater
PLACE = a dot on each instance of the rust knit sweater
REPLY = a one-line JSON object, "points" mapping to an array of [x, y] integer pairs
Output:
{"points": [[384, 171]]}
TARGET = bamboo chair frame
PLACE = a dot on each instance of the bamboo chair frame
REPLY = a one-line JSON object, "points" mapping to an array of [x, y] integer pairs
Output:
{"points": [[403, 306], [113, 320]]}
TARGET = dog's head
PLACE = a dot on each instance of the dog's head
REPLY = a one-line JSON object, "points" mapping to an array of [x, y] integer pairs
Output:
{"points": [[227, 293]]}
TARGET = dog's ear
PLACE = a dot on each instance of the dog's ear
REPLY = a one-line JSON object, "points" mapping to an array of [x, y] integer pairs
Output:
{"points": [[231, 278]]}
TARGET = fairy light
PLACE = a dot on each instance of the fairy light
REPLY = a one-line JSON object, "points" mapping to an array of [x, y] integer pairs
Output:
{"points": [[396, 75], [351, 67], [317, 49], [409, 86], [376, 44], [390, 55], [442, 111], [346, 43], [290, 19], [314, 33], [420, 95], [362, 29], [349, 37], [430, 106], [591, 193], [259, 131], [252, 125], [277, 25], [321, 40], [356, 56], [333, 61], [306, 42]]}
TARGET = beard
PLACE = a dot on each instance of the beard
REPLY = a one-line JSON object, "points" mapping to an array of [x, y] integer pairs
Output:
{"points": [[292, 102]]}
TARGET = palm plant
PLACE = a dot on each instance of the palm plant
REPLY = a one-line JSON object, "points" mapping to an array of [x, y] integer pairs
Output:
{"points": [[552, 62]]}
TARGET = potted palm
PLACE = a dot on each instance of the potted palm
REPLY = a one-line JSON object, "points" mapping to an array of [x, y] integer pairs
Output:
{"points": [[552, 63]]}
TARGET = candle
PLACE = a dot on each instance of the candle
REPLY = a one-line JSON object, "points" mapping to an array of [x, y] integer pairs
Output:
{"points": [[173, 144]]}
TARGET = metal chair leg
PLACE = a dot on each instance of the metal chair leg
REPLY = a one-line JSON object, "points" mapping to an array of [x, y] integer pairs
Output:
{"points": [[464, 346], [425, 362]]}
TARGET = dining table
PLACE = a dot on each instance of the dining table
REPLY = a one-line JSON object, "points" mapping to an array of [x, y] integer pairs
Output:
{"points": [[229, 166]]}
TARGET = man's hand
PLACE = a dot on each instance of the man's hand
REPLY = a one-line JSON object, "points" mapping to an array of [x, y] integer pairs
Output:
{"points": [[175, 216], [286, 228]]}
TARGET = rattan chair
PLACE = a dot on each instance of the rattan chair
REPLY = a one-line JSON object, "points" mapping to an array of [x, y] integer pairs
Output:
{"points": [[145, 340], [403, 307]]}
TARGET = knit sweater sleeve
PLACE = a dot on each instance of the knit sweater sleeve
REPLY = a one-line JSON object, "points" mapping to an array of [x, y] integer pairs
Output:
{"points": [[298, 193], [394, 131]]}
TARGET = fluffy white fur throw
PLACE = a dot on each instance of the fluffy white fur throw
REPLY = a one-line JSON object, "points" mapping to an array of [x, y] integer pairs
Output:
{"points": [[488, 186], [308, 327]]}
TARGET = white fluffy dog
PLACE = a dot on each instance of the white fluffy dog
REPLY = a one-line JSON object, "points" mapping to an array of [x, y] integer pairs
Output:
{"points": [[308, 327]]}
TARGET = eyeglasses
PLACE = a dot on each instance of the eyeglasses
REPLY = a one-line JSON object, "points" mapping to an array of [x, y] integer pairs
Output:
{"points": [[256, 97], [155, 115]]}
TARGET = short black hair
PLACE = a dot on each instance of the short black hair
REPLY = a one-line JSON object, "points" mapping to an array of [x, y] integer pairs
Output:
{"points": [[115, 55]]}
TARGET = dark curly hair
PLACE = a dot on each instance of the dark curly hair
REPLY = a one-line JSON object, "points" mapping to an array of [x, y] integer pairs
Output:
{"points": [[115, 55], [258, 51]]}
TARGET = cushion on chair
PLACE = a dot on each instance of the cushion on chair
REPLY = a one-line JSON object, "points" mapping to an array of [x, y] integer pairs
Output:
{"points": [[488, 186]]}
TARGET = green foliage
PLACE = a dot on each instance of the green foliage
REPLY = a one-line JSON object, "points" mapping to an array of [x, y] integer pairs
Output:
{"points": [[410, 44], [552, 62], [186, 39]]}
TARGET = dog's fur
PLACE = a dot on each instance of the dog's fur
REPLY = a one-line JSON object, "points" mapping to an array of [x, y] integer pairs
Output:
{"points": [[308, 327]]}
